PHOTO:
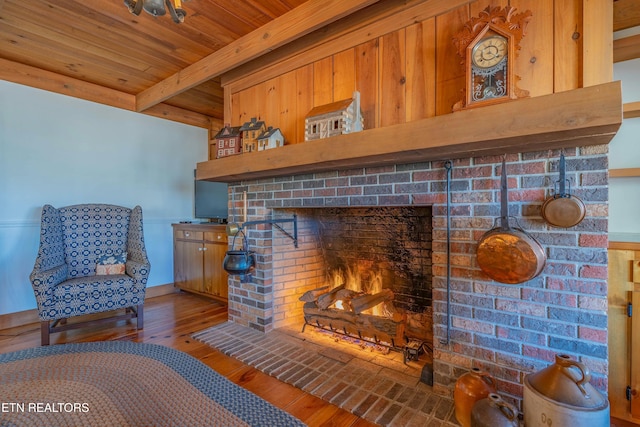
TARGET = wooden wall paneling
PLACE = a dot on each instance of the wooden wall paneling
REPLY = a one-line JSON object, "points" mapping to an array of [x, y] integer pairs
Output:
{"points": [[323, 81], [244, 107], [535, 61], [269, 110], [392, 78], [366, 61], [597, 58], [421, 70], [450, 76], [304, 100], [228, 104], [567, 44], [367, 25], [478, 6], [287, 101], [255, 105], [344, 74]]}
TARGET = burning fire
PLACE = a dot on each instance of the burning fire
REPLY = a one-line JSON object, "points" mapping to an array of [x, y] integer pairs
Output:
{"points": [[363, 278]]}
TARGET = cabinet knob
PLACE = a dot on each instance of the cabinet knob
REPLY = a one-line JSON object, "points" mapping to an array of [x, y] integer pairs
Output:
{"points": [[187, 234], [204, 249]]}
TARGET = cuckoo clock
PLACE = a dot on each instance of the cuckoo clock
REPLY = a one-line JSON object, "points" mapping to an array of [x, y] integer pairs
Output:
{"points": [[488, 45]]}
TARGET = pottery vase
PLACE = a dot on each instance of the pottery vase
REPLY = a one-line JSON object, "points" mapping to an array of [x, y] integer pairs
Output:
{"points": [[471, 387]]}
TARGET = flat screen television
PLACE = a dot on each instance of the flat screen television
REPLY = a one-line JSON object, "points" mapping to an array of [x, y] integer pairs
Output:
{"points": [[211, 201]]}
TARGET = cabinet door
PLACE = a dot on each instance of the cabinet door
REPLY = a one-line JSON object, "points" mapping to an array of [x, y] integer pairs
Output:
{"points": [[188, 265], [635, 352], [215, 278]]}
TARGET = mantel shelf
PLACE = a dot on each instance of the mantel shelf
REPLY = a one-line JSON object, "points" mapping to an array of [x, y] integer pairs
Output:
{"points": [[580, 117]]}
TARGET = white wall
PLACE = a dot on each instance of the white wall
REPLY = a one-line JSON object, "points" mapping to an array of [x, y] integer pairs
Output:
{"points": [[60, 150], [624, 149]]}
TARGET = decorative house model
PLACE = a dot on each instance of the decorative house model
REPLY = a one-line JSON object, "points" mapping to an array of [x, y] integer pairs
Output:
{"points": [[228, 141], [337, 118], [271, 138], [250, 132]]}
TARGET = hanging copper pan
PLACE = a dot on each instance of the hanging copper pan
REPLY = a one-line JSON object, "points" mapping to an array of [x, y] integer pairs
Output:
{"points": [[563, 209], [509, 255]]}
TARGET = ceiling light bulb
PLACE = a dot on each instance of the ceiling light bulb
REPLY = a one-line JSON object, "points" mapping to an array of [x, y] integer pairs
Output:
{"points": [[154, 7]]}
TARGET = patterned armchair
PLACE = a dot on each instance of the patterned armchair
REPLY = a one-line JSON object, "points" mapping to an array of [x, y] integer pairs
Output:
{"points": [[78, 272]]}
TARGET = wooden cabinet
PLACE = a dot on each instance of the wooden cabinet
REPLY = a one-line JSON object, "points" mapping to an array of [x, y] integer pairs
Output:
{"points": [[198, 253], [624, 330]]}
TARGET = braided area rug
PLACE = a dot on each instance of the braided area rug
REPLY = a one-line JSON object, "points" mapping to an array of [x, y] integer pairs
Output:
{"points": [[118, 383]]}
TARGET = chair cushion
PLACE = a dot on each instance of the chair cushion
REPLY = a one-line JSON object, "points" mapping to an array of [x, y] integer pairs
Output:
{"points": [[93, 294], [91, 231], [111, 264]]}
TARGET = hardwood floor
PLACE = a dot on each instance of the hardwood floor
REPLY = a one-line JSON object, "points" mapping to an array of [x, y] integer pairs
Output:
{"points": [[170, 320]]}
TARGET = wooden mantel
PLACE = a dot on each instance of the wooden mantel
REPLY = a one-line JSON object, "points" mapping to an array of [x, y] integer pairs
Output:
{"points": [[580, 117]]}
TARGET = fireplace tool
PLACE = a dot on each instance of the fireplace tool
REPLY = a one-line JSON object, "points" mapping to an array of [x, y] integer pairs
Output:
{"points": [[448, 166]]}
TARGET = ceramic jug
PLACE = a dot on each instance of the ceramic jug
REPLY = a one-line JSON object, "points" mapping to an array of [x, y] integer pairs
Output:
{"points": [[492, 411], [470, 388], [561, 395]]}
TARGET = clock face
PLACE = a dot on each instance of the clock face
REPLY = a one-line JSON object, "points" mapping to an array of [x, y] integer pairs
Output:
{"points": [[489, 52]]}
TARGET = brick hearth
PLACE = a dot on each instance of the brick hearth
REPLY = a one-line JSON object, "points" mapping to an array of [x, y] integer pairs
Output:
{"points": [[507, 330]]}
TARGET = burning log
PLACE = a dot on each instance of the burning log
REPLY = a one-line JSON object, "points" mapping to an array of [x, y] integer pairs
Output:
{"points": [[364, 302], [346, 295], [357, 325], [328, 298], [312, 295]]}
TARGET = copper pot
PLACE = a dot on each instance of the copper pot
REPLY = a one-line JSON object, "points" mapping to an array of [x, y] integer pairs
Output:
{"points": [[563, 209], [506, 254]]}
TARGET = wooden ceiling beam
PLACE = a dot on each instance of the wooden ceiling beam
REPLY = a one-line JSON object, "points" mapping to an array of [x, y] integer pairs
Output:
{"points": [[64, 85], [626, 14], [626, 48], [631, 110], [294, 24]]}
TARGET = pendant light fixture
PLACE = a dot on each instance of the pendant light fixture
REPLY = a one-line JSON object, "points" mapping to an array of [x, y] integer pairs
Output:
{"points": [[157, 8]]}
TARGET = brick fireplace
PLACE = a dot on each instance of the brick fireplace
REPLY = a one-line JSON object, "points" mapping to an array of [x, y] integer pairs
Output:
{"points": [[507, 330]]}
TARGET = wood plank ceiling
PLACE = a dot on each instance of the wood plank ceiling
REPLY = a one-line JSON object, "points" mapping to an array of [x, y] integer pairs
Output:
{"points": [[97, 50]]}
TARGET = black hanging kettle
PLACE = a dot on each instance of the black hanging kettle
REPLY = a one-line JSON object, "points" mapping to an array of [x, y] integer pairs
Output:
{"points": [[239, 261]]}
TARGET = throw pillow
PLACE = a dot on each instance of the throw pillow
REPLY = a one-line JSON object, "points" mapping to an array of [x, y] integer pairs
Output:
{"points": [[111, 264]]}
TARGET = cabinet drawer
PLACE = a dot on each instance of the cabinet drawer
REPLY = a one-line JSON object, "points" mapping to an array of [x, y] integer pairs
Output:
{"points": [[215, 236], [188, 234]]}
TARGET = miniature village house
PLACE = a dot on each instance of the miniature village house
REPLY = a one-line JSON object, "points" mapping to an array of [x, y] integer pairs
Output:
{"points": [[271, 138], [251, 130], [228, 141], [332, 119]]}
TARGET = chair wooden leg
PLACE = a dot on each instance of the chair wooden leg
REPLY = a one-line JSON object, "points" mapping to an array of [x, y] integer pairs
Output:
{"points": [[44, 332], [140, 316]]}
